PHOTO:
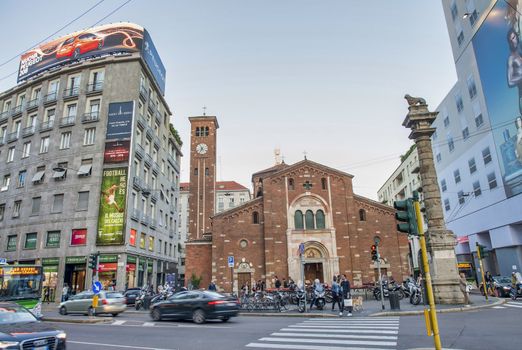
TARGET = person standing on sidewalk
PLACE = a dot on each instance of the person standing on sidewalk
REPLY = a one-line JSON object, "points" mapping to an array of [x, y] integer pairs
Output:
{"points": [[336, 296], [345, 287], [464, 288]]}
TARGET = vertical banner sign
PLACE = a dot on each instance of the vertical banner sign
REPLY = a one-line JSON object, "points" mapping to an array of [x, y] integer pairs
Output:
{"points": [[119, 121], [111, 216]]}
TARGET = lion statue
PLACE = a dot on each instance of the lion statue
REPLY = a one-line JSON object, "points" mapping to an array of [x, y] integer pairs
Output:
{"points": [[412, 101]]}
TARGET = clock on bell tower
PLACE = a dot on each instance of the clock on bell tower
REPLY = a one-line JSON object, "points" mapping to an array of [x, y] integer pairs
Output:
{"points": [[202, 174]]}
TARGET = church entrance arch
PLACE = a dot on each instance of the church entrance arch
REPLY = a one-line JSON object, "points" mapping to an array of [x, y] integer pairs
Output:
{"points": [[316, 256]]}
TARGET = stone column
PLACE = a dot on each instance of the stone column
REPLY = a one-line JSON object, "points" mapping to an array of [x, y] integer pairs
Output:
{"points": [[440, 241]]}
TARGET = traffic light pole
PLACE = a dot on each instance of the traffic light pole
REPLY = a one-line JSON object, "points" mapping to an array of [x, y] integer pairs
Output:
{"points": [[380, 276], [481, 270], [432, 311]]}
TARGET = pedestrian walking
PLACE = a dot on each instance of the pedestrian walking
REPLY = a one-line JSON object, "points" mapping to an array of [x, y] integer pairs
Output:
{"points": [[345, 287], [336, 296], [65, 292], [489, 284], [212, 286], [46, 294]]}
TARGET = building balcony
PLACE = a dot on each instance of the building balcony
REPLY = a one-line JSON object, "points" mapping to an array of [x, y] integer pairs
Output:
{"points": [[154, 197], [148, 159], [155, 168], [68, 121], [4, 116], [143, 93], [153, 223], [140, 152], [152, 106], [3, 140], [145, 220], [136, 183], [173, 162], [157, 141], [50, 98], [71, 93], [12, 136], [94, 88], [157, 115], [135, 214], [91, 117], [149, 133], [142, 122], [33, 104], [18, 110], [28, 131], [172, 208], [47, 125]]}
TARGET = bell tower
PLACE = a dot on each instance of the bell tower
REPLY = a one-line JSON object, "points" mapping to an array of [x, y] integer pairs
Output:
{"points": [[202, 174]]}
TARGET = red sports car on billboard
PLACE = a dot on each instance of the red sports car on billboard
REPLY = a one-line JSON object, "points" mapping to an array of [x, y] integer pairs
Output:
{"points": [[80, 44]]}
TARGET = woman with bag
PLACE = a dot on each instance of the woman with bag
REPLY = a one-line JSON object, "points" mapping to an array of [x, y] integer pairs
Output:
{"points": [[347, 299], [336, 296]]}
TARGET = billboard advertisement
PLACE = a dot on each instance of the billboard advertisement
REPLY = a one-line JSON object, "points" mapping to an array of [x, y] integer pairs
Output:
{"points": [[116, 152], [79, 237], [498, 52], [109, 39], [111, 216], [119, 121]]}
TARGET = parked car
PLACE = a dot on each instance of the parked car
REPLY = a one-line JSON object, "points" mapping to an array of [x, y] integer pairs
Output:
{"points": [[20, 329], [81, 303], [502, 285], [80, 44], [196, 305], [131, 294]]}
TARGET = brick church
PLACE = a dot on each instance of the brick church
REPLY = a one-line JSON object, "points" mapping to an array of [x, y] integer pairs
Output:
{"points": [[305, 202]]}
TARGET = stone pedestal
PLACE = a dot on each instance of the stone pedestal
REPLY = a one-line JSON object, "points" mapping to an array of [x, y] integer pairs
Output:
{"points": [[440, 241]]}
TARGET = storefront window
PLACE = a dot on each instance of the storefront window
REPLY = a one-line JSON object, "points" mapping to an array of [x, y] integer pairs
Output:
{"points": [[131, 271], [50, 269], [107, 266], [53, 239]]}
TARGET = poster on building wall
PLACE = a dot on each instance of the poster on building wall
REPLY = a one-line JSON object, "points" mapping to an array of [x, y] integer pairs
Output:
{"points": [[116, 152], [498, 52], [119, 120], [111, 216], [79, 237]]}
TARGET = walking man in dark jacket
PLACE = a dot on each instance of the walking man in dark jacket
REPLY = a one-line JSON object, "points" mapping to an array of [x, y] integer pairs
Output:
{"points": [[345, 286]]}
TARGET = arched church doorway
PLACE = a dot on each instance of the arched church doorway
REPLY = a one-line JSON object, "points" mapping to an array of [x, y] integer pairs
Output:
{"points": [[313, 271], [314, 259]]}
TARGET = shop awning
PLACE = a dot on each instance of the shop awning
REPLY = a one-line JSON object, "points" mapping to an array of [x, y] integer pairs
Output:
{"points": [[59, 173], [38, 176], [85, 170]]}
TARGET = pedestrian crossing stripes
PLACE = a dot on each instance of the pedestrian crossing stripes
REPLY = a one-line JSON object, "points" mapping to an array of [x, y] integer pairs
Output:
{"points": [[513, 304], [379, 333]]}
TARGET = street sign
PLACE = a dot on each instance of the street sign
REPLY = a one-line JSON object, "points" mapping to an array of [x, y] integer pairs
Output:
{"points": [[97, 287], [301, 248], [3, 261], [230, 261]]}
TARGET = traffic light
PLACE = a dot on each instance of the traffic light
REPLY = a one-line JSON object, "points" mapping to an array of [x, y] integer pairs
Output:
{"points": [[406, 216], [93, 261], [482, 251], [375, 256]]}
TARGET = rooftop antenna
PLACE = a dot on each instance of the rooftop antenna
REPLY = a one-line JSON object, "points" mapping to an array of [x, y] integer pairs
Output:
{"points": [[204, 110]]}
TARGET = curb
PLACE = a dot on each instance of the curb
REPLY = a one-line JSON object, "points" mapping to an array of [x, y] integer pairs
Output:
{"points": [[284, 314], [72, 320], [439, 311]]}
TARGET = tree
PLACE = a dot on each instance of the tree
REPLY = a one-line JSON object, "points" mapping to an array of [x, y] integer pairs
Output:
{"points": [[175, 134], [195, 280]]}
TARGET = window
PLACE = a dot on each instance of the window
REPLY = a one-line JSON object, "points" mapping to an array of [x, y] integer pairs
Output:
{"points": [[151, 243], [71, 111], [319, 217], [476, 188], [298, 220], [53, 239], [85, 168], [492, 181], [160, 243], [255, 217], [83, 200], [231, 202], [451, 144], [478, 114], [472, 165], [6, 182], [49, 116], [362, 215], [456, 176], [465, 133], [26, 150], [459, 32], [30, 240], [486, 155], [2, 212], [324, 184], [44, 144], [459, 102], [60, 172], [35, 208], [446, 122], [479, 121], [291, 184], [461, 197], [196, 171], [89, 136], [447, 204], [10, 154], [310, 220], [11, 243], [439, 158], [16, 209], [65, 140], [142, 240], [21, 178], [94, 108], [57, 203], [454, 10], [39, 175], [472, 87], [207, 173], [443, 185]]}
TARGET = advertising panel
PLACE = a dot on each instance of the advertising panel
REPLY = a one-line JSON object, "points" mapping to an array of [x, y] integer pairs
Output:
{"points": [[119, 121], [116, 151], [132, 238], [111, 216], [498, 52], [153, 61], [79, 237], [107, 39]]}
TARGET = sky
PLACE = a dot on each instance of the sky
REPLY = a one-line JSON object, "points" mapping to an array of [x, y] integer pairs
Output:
{"points": [[325, 78]]}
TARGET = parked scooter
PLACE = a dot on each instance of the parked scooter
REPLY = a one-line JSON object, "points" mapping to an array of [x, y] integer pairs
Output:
{"points": [[319, 299], [416, 293]]}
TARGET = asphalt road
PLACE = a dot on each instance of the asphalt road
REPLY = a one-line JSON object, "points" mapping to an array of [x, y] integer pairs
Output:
{"points": [[492, 328]]}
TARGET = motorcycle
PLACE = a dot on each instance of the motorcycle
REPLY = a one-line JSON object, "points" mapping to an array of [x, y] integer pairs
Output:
{"points": [[416, 294], [515, 294], [300, 297], [377, 291], [140, 299], [319, 299]]}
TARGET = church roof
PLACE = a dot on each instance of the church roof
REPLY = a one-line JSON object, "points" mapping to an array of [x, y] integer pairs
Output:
{"points": [[311, 163], [272, 169]]}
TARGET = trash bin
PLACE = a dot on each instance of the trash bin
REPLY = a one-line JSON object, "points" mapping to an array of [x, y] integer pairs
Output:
{"points": [[146, 302], [394, 301]]}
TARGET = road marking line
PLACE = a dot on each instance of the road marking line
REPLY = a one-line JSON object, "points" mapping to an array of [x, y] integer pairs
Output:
{"points": [[355, 323], [345, 327], [118, 323], [331, 341], [513, 304], [361, 331], [148, 324], [498, 307], [115, 345], [306, 347], [340, 336], [355, 319]]}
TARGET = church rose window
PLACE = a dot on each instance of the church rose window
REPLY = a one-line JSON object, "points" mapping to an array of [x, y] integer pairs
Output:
{"points": [[319, 217], [298, 220], [243, 243], [310, 222]]}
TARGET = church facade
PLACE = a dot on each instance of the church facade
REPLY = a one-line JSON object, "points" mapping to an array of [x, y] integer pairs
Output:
{"points": [[307, 203]]}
